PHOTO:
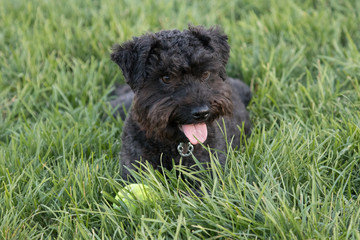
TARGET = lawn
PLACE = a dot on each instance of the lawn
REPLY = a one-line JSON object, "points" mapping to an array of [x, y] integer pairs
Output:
{"points": [[296, 177]]}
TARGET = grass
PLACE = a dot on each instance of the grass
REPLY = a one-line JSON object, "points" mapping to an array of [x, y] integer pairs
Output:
{"points": [[297, 176]]}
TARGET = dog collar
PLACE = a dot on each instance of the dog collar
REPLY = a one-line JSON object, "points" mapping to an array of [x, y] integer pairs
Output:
{"points": [[185, 149]]}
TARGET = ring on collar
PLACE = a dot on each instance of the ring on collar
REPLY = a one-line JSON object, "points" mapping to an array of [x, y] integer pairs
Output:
{"points": [[185, 149]]}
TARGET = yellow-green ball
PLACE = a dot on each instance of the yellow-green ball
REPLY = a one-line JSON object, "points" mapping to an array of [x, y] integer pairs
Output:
{"points": [[133, 192]]}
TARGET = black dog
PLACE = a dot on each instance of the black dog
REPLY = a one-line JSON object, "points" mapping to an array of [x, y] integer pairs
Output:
{"points": [[180, 95]]}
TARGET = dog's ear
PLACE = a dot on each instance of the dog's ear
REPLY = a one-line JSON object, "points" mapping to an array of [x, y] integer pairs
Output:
{"points": [[123, 55], [131, 57], [213, 38]]}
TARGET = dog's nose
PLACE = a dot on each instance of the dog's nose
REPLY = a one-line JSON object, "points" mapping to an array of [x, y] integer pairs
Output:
{"points": [[200, 113]]}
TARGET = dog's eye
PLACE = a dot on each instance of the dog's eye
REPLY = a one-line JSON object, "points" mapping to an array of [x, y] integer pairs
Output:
{"points": [[205, 75], [165, 79]]}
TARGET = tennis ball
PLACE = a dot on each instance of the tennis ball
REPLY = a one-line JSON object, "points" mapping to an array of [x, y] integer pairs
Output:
{"points": [[133, 192]]}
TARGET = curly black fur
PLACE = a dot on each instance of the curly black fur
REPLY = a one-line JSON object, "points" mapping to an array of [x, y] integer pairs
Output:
{"points": [[173, 74]]}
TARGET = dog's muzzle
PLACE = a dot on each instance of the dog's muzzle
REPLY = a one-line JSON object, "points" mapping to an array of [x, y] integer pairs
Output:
{"points": [[185, 149]]}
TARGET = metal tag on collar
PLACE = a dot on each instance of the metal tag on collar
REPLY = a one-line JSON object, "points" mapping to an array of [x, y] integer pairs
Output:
{"points": [[185, 149]]}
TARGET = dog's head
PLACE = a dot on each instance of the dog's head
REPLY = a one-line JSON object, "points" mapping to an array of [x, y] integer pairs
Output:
{"points": [[179, 81]]}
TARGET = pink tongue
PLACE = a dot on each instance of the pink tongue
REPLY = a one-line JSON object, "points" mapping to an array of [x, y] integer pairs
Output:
{"points": [[193, 131]]}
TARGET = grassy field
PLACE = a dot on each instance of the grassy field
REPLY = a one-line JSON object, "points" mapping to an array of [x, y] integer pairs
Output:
{"points": [[297, 176]]}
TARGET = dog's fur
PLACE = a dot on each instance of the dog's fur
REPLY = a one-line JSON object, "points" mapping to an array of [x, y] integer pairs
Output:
{"points": [[169, 85]]}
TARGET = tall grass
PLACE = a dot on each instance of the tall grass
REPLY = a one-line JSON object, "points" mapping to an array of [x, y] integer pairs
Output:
{"points": [[297, 176]]}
